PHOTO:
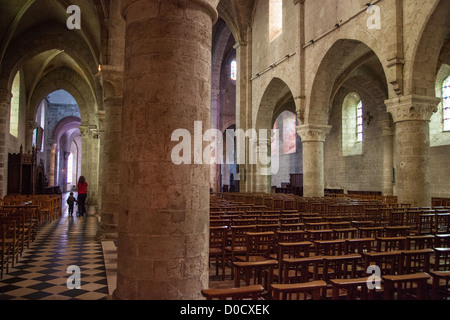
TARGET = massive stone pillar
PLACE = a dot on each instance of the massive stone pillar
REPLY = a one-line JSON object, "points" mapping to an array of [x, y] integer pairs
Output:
{"points": [[411, 115], [164, 207], [110, 151], [313, 138], [5, 102]]}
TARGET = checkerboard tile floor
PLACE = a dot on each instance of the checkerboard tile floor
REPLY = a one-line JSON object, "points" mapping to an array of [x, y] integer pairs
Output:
{"points": [[41, 273]]}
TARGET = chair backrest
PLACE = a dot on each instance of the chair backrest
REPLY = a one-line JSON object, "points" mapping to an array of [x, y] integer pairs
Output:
{"points": [[340, 267], [218, 237], [290, 236], [239, 234], [260, 244], [441, 259], [413, 261], [301, 269], [329, 247]]}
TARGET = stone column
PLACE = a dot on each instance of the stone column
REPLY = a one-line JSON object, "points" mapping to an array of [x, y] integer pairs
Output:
{"points": [[163, 239], [5, 103], [387, 134], [411, 115], [110, 137], [313, 138], [263, 171]]}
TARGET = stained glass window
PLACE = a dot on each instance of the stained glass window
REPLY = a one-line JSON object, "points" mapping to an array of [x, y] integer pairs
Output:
{"points": [[15, 102], [446, 103], [359, 121], [234, 70]]}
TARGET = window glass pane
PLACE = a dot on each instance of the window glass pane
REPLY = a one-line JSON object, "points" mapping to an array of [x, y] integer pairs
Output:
{"points": [[234, 70], [359, 121], [446, 103]]}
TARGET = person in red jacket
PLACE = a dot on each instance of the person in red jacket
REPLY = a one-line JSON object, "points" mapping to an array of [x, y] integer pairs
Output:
{"points": [[82, 195]]}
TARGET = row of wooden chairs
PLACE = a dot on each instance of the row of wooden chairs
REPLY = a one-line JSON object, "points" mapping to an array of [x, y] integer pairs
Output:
{"points": [[18, 229], [50, 206]]}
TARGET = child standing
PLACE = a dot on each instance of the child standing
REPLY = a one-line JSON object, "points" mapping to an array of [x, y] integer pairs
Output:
{"points": [[70, 201]]}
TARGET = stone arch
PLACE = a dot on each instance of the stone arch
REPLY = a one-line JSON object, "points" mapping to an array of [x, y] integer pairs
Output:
{"points": [[70, 81], [426, 64], [275, 96], [47, 37], [67, 123], [341, 60]]}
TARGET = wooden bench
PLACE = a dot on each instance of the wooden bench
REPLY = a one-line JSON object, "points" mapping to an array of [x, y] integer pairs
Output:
{"points": [[405, 287], [352, 289], [249, 292], [298, 291]]}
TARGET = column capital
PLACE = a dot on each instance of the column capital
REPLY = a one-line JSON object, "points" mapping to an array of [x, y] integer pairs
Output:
{"points": [[412, 108], [153, 8], [313, 133]]}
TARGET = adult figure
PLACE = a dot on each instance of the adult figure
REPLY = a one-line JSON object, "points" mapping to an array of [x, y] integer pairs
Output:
{"points": [[82, 195]]}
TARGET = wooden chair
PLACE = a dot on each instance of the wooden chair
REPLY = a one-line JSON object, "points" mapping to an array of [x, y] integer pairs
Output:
{"points": [[217, 243], [374, 215], [352, 289], [343, 234], [420, 242], [405, 287], [249, 293], [314, 235], [290, 250], [396, 231], [440, 285], [388, 262], [415, 261], [358, 245], [339, 267], [390, 243], [259, 246], [5, 247], [442, 223], [302, 269], [441, 259], [442, 240], [238, 244], [298, 291], [292, 227], [371, 232], [290, 236], [260, 272], [329, 247], [426, 223]]}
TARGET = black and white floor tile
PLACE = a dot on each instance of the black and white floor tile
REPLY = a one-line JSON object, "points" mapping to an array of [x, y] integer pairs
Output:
{"points": [[42, 271]]}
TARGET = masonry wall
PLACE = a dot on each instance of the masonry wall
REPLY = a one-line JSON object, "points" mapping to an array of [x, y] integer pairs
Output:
{"points": [[363, 172], [265, 54]]}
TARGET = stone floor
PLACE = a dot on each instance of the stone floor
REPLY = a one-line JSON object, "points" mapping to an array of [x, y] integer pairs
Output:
{"points": [[42, 270]]}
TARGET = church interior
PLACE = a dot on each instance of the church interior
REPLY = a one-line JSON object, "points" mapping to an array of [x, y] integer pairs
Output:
{"points": [[233, 149]]}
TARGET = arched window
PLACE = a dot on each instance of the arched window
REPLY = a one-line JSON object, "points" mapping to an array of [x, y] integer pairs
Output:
{"points": [[15, 103], [275, 19], [352, 125], [446, 103], [234, 70]]}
